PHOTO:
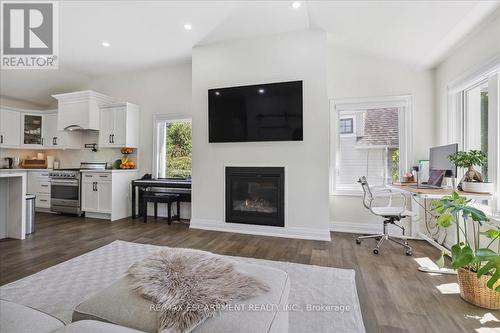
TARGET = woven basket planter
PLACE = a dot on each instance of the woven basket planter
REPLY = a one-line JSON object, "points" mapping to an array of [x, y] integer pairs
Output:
{"points": [[475, 291]]}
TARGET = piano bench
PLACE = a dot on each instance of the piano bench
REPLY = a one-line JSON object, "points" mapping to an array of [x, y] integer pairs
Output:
{"points": [[161, 197]]}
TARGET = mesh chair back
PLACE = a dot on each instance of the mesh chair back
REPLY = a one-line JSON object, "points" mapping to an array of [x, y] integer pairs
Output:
{"points": [[368, 196]]}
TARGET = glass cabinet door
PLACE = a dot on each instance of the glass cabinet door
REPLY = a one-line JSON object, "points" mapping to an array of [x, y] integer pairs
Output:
{"points": [[32, 129]]}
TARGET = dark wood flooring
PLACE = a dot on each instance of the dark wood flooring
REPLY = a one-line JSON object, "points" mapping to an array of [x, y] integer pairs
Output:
{"points": [[394, 296]]}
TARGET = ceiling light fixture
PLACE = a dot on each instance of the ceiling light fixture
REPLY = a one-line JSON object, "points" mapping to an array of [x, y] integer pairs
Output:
{"points": [[296, 4], [105, 44], [187, 26], [217, 93], [261, 91]]}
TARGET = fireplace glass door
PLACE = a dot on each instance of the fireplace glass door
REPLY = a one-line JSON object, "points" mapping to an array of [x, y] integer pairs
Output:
{"points": [[255, 196]]}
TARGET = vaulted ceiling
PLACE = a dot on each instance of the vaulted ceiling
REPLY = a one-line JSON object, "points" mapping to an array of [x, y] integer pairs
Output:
{"points": [[151, 33]]}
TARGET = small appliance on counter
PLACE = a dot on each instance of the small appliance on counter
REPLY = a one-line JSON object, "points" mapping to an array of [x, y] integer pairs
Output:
{"points": [[11, 163]]}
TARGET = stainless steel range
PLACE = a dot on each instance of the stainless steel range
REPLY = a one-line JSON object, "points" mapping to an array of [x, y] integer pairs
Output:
{"points": [[65, 191]]}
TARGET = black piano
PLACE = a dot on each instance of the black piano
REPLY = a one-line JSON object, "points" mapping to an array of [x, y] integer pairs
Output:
{"points": [[179, 186]]}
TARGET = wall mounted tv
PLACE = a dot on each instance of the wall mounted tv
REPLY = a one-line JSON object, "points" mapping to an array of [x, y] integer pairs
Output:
{"points": [[262, 112]]}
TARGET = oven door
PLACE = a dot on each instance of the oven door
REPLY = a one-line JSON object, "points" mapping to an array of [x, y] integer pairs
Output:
{"points": [[65, 192]]}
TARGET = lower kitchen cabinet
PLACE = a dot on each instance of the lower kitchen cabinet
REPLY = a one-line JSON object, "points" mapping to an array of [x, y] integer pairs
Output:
{"points": [[39, 185], [106, 195]]}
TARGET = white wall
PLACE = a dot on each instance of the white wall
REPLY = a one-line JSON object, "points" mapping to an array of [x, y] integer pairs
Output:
{"points": [[475, 50], [284, 57], [352, 74]]}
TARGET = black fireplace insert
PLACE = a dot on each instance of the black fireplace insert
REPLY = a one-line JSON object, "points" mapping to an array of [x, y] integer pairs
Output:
{"points": [[255, 195]]}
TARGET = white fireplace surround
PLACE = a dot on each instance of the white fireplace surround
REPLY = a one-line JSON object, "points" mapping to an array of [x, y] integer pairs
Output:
{"points": [[287, 231]]}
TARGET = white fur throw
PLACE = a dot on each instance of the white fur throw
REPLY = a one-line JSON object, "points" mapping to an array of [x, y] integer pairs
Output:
{"points": [[191, 285]]}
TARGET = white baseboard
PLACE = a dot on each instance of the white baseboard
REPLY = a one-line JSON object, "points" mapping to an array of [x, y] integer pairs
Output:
{"points": [[102, 216], [287, 232], [362, 228]]}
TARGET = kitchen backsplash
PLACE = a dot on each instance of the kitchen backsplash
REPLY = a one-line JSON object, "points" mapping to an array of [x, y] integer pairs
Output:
{"points": [[70, 158]]}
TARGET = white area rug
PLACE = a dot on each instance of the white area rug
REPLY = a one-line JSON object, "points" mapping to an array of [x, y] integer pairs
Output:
{"points": [[58, 289]]}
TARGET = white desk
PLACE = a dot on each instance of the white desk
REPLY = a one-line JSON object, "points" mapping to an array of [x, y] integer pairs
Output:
{"points": [[13, 204], [419, 198]]}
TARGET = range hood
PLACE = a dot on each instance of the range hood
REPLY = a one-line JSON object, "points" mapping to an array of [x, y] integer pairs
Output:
{"points": [[79, 110]]}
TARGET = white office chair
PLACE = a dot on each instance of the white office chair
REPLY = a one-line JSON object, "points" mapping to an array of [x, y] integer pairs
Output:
{"points": [[390, 213]]}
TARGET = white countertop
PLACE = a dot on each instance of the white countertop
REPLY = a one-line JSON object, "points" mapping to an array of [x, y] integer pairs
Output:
{"points": [[112, 170], [13, 174]]}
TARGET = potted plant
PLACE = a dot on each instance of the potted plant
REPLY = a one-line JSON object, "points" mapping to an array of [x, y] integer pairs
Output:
{"points": [[472, 180], [478, 267]]}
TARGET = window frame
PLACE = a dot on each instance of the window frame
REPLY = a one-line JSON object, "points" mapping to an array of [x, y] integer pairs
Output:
{"points": [[159, 134], [459, 132], [405, 116]]}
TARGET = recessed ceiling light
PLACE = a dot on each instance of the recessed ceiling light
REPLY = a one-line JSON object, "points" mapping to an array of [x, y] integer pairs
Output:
{"points": [[217, 93], [261, 91], [296, 4], [105, 44], [188, 26]]}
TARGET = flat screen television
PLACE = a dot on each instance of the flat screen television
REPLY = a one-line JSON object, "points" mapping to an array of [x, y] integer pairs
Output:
{"points": [[262, 112]]}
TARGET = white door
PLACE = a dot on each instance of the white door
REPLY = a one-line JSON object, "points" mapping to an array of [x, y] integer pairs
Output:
{"points": [[50, 133], [104, 190], [106, 127], [10, 128], [90, 196], [119, 127]]}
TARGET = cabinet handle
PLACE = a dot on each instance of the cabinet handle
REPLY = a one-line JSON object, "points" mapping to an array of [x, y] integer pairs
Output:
{"points": [[42, 141], [1, 138], [44, 200], [88, 175], [110, 138], [54, 141], [103, 176], [44, 185]]}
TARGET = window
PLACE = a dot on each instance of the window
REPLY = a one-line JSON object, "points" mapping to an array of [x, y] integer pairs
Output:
{"points": [[474, 122], [370, 137], [346, 126], [475, 113], [172, 147]]}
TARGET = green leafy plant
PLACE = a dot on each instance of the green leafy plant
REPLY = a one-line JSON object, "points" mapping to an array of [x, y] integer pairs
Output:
{"points": [[468, 160], [179, 147], [467, 253]]}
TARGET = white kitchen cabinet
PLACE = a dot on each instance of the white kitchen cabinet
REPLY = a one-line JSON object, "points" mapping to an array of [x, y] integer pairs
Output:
{"points": [[106, 194], [55, 139], [10, 128], [96, 192], [32, 130], [119, 126], [38, 183]]}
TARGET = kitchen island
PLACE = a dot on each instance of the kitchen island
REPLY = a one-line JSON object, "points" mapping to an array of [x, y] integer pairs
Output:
{"points": [[13, 204]]}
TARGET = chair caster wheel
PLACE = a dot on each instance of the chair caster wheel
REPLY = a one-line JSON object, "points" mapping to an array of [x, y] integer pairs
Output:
{"points": [[409, 253], [375, 251], [358, 241]]}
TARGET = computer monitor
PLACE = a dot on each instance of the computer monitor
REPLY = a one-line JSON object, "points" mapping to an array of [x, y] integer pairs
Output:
{"points": [[438, 159]]}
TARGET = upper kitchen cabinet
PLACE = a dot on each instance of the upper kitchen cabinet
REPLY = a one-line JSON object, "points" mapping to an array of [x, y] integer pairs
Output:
{"points": [[10, 128], [80, 110], [56, 139], [31, 129], [119, 126]]}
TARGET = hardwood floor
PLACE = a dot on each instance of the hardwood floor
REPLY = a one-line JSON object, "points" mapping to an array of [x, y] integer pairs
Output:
{"points": [[394, 296]]}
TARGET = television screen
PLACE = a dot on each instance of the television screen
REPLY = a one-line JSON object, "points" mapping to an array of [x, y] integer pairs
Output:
{"points": [[263, 112]]}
